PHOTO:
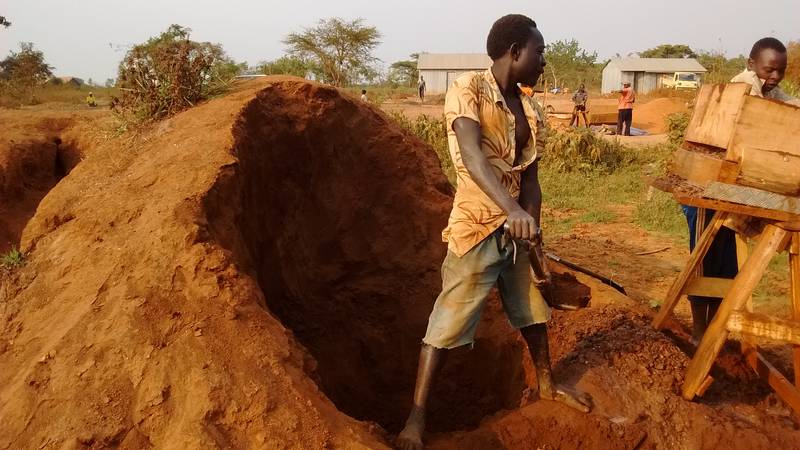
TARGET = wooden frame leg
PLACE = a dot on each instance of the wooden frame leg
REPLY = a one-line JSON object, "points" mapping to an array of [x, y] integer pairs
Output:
{"points": [[794, 271], [741, 256], [771, 241], [688, 272]]}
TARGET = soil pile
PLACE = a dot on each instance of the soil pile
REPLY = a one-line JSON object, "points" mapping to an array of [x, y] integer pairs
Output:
{"points": [[651, 116], [257, 273]]}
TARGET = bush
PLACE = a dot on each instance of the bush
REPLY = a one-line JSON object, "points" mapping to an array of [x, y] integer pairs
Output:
{"points": [[676, 127], [582, 150], [434, 132], [170, 73], [14, 258]]}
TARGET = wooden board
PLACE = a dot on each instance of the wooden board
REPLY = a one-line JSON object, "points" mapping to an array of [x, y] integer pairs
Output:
{"points": [[782, 386], [708, 287], [715, 112], [760, 325], [794, 271], [765, 124], [769, 169], [719, 205], [696, 167]]}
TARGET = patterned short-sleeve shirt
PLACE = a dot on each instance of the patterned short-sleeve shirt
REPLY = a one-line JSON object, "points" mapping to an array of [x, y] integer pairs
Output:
{"points": [[475, 95]]}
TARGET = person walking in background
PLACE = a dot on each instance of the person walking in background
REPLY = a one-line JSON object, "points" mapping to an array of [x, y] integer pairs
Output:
{"points": [[421, 89], [579, 98]]}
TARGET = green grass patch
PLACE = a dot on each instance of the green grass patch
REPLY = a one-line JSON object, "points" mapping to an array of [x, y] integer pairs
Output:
{"points": [[13, 259], [660, 213]]}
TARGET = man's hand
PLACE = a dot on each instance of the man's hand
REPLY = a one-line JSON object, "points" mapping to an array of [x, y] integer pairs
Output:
{"points": [[522, 225]]}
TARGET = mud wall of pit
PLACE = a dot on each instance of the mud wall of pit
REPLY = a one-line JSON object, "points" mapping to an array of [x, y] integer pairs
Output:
{"points": [[34, 157], [338, 214]]}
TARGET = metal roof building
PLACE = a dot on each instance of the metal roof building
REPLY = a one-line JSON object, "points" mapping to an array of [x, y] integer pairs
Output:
{"points": [[645, 74], [441, 69]]}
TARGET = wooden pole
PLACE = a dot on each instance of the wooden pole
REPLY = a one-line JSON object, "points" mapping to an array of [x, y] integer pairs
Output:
{"points": [[794, 270], [700, 249], [771, 240]]}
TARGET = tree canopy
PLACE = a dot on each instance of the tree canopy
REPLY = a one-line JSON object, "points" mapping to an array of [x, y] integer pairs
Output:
{"points": [[340, 51]]}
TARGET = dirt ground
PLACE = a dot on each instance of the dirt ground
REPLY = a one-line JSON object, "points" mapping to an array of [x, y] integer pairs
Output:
{"points": [[252, 273]]}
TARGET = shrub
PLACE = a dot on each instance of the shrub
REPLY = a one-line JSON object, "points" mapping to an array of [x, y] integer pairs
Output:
{"points": [[14, 258], [676, 127], [170, 73], [581, 150]]}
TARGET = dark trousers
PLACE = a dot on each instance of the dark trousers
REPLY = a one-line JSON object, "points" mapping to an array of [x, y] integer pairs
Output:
{"points": [[720, 260], [624, 119]]}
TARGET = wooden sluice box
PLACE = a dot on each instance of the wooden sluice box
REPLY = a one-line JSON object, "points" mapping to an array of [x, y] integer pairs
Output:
{"points": [[741, 158]]}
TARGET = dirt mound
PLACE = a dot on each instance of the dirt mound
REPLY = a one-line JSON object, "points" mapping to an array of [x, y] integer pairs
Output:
{"points": [[650, 116], [257, 273]]}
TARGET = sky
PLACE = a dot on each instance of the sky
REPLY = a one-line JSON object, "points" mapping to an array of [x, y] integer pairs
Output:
{"points": [[88, 38]]}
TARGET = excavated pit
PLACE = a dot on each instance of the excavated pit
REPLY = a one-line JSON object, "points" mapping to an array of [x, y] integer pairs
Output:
{"points": [[29, 169], [340, 214]]}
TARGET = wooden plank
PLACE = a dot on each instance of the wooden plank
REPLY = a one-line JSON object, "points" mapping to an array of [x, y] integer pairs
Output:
{"points": [[700, 168], [794, 271], [700, 249], [708, 287], [745, 282], [769, 169], [720, 205], [782, 386], [742, 253], [760, 325], [715, 112], [765, 124], [744, 227]]}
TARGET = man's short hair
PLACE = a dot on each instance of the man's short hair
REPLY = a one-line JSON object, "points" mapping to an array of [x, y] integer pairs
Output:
{"points": [[765, 43], [507, 30]]}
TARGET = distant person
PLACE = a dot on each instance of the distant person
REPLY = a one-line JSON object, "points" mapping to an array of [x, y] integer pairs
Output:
{"points": [[364, 96], [766, 68], [90, 100], [579, 98], [421, 89], [625, 109]]}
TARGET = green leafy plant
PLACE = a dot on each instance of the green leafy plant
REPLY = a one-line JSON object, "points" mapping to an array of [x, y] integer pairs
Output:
{"points": [[14, 258]]}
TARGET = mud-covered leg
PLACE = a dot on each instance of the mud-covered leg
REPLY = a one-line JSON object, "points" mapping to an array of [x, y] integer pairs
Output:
{"points": [[430, 360]]}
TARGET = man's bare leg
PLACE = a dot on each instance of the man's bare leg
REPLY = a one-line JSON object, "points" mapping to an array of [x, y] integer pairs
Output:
{"points": [[430, 360], [536, 338]]}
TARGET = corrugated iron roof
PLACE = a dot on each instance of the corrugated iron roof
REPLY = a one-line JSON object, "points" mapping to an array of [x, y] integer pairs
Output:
{"points": [[457, 61], [657, 65]]}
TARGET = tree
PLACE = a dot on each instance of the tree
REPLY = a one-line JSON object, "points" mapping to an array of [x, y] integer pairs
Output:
{"points": [[669, 51], [792, 80], [4, 22], [109, 82], [286, 65], [340, 51], [720, 68], [22, 71], [570, 65], [169, 73], [405, 72]]}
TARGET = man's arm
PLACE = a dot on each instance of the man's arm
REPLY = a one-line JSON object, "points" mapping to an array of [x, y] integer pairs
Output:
{"points": [[521, 223], [530, 196]]}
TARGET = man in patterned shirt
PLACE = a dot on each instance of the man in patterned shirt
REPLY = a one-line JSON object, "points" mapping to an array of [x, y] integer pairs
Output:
{"points": [[496, 137]]}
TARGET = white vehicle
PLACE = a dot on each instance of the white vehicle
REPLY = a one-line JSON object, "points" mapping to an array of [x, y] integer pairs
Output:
{"points": [[682, 80]]}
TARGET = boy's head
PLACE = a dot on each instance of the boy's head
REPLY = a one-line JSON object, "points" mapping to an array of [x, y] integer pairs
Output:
{"points": [[363, 92], [768, 61], [515, 40]]}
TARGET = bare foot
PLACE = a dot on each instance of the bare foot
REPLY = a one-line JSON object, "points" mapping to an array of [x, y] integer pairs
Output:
{"points": [[579, 401], [411, 436]]}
